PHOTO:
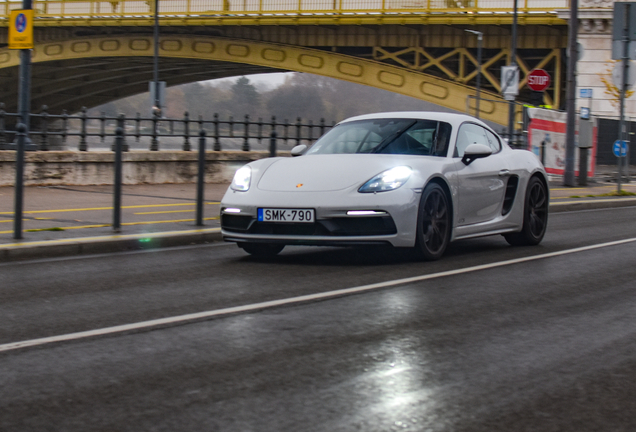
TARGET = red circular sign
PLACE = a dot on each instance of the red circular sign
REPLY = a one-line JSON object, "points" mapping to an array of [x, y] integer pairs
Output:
{"points": [[538, 80]]}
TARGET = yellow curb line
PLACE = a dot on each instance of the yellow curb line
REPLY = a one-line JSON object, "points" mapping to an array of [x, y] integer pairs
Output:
{"points": [[595, 201], [107, 225], [109, 238], [163, 212], [109, 208]]}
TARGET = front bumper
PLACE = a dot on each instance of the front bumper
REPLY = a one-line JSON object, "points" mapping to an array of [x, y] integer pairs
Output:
{"points": [[392, 221]]}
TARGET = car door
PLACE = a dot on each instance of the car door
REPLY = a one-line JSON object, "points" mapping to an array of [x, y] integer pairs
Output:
{"points": [[482, 183]]}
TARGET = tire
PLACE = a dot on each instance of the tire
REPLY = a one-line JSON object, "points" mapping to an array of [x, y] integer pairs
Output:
{"points": [[262, 249], [433, 223], [535, 215]]}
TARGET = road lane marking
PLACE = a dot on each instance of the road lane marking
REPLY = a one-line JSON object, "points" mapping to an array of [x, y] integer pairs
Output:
{"points": [[292, 300]]}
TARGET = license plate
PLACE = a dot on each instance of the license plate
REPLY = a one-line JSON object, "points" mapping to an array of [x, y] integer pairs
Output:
{"points": [[285, 215]]}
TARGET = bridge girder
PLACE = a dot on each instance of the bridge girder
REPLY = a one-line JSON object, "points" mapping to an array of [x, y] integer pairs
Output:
{"points": [[88, 66]]}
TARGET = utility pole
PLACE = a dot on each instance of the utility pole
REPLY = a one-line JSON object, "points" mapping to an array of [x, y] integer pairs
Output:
{"points": [[568, 178], [513, 63], [21, 34], [156, 108]]}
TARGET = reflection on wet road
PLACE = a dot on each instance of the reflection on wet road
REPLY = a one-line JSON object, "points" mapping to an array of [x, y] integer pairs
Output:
{"points": [[545, 344]]}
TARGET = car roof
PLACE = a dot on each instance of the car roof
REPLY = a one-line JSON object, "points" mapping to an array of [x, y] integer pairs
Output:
{"points": [[454, 119]]}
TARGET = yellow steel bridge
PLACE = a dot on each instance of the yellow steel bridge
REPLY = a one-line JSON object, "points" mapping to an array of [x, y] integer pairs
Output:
{"points": [[89, 52]]}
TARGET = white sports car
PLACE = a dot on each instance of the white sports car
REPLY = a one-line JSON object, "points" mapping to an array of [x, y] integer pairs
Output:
{"points": [[408, 179]]}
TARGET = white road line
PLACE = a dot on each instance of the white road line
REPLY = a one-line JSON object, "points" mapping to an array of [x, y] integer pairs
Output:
{"points": [[293, 300]]}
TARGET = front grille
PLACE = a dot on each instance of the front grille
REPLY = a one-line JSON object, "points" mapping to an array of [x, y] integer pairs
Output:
{"points": [[359, 226], [237, 223], [377, 225]]}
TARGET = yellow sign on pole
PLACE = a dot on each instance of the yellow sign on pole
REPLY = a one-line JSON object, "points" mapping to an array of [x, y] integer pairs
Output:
{"points": [[21, 29]]}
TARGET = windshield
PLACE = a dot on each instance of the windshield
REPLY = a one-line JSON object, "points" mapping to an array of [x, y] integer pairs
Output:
{"points": [[386, 136]]}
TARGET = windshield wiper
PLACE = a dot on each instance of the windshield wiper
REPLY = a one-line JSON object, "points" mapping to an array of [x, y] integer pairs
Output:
{"points": [[389, 139]]}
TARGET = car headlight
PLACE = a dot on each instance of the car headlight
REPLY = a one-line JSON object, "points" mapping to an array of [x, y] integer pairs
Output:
{"points": [[242, 178], [388, 180]]}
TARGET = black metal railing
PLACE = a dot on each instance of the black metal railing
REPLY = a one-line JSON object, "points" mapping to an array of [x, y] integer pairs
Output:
{"points": [[90, 132]]}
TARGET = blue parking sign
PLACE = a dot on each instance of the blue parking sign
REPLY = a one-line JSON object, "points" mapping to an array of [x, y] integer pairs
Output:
{"points": [[585, 113]]}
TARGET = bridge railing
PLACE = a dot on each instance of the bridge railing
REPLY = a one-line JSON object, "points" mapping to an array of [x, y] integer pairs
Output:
{"points": [[90, 132], [55, 9]]}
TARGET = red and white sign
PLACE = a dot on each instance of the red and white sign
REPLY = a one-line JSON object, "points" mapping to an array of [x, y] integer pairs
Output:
{"points": [[547, 131], [538, 80]]}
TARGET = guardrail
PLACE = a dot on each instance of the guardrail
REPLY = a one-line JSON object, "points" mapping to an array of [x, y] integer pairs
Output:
{"points": [[91, 132], [122, 9]]}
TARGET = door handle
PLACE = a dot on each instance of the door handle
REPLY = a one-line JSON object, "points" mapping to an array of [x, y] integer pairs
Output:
{"points": [[504, 172]]}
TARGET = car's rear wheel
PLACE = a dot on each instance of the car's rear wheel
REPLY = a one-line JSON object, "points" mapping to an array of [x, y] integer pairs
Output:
{"points": [[535, 215], [262, 249], [433, 223]]}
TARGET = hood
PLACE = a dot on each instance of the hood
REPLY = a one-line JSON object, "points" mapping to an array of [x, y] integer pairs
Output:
{"points": [[323, 173]]}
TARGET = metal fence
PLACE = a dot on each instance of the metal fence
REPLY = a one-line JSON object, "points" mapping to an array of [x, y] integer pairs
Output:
{"points": [[90, 132]]}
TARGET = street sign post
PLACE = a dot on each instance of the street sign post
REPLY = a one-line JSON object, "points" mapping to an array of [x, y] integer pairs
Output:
{"points": [[624, 19], [509, 82], [620, 148], [21, 29], [586, 93], [617, 74], [538, 80], [585, 113], [21, 37]]}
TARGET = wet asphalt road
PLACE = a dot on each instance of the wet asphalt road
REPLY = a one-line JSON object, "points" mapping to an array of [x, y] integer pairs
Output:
{"points": [[541, 345]]}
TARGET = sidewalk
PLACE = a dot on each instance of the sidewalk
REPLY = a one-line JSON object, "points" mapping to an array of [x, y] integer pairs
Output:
{"points": [[69, 220]]}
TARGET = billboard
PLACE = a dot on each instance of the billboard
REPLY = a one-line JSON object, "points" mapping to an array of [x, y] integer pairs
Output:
{"points": [[547, 130]]}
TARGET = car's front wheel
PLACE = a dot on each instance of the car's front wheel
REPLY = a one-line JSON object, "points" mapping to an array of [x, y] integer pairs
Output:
{"points": [[433, 223], [262, 249], [535, 215]]}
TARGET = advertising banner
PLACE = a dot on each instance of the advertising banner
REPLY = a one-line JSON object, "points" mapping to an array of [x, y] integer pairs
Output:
{"points": [[547, 130]]}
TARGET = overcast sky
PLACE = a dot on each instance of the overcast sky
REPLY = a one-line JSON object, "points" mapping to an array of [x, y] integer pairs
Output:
{"points": [[267, 79]]}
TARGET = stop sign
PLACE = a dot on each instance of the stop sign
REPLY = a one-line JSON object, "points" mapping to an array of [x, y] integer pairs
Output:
{"points": [[538, 80]]}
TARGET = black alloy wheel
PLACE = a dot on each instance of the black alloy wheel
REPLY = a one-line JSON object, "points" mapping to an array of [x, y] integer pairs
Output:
{"points": [[262, 249], [535, 215], [433, 223]]}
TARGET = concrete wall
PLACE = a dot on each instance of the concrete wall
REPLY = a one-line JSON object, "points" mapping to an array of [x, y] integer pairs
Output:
{"points": [[139, 167]]}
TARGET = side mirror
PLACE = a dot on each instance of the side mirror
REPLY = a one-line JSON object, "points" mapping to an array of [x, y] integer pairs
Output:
{"points": [[298, 150], [475, 151]]}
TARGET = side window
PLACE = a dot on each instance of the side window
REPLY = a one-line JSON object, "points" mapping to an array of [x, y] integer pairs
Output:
{"points": [[469, 133], [442, 139], [493, 141]]}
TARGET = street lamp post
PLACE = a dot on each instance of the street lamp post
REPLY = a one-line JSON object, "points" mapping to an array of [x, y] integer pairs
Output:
{"points": [[156, 109], [513, 62], [480, 38]]}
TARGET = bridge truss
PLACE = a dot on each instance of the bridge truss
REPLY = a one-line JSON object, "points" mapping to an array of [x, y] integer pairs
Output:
{"points": [[421, 50]]}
